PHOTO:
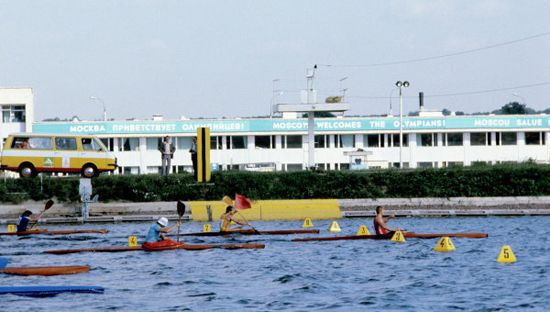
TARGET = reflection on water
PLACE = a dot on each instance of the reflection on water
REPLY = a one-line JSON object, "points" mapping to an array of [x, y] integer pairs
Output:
{"points": [[338, 275]]}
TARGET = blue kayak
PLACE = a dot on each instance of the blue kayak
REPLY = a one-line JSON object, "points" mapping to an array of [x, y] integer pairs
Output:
{"points": [[45, 291]]}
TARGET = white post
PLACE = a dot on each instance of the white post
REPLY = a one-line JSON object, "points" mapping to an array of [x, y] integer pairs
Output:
{"points": [[400, 129], [311, 140]]}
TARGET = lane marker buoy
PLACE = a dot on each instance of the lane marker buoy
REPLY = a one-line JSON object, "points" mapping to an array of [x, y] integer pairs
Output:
{"points": [[398, 237], [207, 228], [363, 230], [307, 223], [132, 241], [506, 255], [334, 227], [11, 228], [445, 244]]}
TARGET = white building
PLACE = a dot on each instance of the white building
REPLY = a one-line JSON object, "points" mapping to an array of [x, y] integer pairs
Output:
{"points": [[430, 140]]}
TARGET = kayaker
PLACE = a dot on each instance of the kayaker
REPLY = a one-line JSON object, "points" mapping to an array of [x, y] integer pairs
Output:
{"points": [[229, 216], [380, 222], [157, 231], [25, 219]]}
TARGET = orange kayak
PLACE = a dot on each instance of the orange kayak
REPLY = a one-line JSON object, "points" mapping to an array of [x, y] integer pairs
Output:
{"points": [[138, 248], [56, 232], [47, 270]]}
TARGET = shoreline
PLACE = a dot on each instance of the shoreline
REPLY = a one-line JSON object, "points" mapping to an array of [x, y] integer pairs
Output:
{"points": [[290, 209]]}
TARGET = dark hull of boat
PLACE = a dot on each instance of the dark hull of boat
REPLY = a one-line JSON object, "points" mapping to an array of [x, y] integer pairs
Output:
{"points": [[58, 232], [407, 235]]}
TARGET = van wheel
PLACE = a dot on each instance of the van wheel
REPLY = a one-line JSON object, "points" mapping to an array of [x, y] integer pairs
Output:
{"points": [[89, 171], [27, 170]]}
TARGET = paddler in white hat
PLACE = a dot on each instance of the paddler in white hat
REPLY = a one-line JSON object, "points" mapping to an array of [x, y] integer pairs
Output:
{"points": [[158, 229]]}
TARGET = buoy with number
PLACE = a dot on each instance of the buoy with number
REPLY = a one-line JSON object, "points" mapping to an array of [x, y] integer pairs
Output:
{"points": [[307, 223], [363, 230], [445, 244], [11, 228], [398, 237], [207, 228], [506, 255], [334, 227], [132, 241]]}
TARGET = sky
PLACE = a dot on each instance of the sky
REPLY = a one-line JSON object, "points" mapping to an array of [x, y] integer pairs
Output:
{"points": [[225, 58]]}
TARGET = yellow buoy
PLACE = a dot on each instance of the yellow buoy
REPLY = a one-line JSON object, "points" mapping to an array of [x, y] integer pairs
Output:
{"points": [[207, 228], [398, 237], [445, 244], [334, 227], [132, 241], [307, 223], [506, 255], [11, 228], [363, 230]]}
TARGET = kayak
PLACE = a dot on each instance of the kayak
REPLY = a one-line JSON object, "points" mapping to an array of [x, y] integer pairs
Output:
{"points": [[45, 291], [406, 234], [182, 246], [56, 232], [252, 232], [46, 270]]}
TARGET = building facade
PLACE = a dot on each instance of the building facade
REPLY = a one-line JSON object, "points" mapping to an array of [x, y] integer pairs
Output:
{"points": [[17, 111], [281, 143]]}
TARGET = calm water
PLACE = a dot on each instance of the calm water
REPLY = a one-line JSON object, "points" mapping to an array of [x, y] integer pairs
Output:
{"points": [[337, 276]]}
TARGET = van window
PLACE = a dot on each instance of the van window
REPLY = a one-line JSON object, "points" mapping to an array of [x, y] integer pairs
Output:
{"points": [[90, 145], [40, 143], [66, 144]]}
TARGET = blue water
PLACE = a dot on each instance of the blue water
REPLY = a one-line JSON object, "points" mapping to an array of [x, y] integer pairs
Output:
{"points": [[360, 275]]}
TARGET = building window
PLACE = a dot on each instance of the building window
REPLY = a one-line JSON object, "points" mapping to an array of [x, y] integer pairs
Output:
{"points": [[265, 141], [216, 142], [183, 143], [533, 138], [13, 113], [509, 138], [454, 139], [152, 143], [344, 140], [293, 167], [479, 138], [427, 139], [425, 164], [395, 139], [321, 141], [237, 142], [372, 140], [292, 141], [128, 144]]}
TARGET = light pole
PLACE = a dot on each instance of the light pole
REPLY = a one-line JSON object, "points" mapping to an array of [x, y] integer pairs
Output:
{"points": [[273, 98], [343, 90], [401, 85], [102, 103]]}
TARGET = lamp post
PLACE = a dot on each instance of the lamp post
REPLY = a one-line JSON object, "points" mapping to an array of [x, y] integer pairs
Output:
{"points": [[273, 98], [102, 103], [401, 85], [519, 96]]}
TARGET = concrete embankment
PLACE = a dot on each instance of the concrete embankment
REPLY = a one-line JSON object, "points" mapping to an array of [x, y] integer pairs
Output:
{"points": [[288, 209]]}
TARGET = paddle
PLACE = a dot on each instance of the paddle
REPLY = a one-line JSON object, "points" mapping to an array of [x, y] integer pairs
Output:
{"points": [[48, 205], [181, 212]]}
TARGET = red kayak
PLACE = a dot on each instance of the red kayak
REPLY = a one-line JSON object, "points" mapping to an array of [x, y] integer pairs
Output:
{"points": [[180, 246], [56, 232], [47, 270], [406, 234]]}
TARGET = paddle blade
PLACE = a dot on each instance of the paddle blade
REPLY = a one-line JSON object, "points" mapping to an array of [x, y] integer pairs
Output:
{"points": [[48, 205], [227, 200], [242, 202], [3, 263], [181, 208]]}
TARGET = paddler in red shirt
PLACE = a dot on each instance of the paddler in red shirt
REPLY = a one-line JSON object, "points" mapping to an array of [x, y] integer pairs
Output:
{"points": [[380, 226]]}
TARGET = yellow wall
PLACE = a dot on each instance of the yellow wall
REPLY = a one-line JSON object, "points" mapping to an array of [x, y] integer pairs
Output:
{"points": [[272, 209]]}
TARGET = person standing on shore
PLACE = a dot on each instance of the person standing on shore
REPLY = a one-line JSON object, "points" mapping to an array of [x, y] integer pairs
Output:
{"points": [[193, 151], [167, 150]]}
